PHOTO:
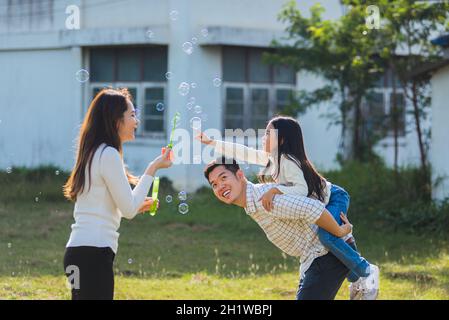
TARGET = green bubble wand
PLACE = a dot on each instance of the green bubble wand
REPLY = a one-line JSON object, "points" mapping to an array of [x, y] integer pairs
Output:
{"points": [[154, 194]]}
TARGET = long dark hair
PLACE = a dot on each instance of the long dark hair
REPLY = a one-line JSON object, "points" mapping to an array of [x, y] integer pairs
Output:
{"points": [[99, 126], [291, 145]]}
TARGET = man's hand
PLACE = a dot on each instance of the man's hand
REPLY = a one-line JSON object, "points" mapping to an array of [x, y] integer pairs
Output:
{"points": [[148, 202], [346, 226]]}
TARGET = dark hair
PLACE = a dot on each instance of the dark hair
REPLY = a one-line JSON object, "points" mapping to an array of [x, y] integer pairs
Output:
{"points": [[99, 126], [291, 145], [228, 163]]}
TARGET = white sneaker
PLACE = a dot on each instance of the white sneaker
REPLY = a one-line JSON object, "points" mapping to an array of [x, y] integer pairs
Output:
{"points": [[355, 289], [370, 286]]}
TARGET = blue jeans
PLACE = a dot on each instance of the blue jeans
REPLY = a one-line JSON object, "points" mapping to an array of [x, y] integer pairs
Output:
{"points": [[323, 279], [339, 202]]}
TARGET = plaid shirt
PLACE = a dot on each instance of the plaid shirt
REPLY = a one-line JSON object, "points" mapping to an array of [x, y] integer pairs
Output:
{"points": [[290, 225]]}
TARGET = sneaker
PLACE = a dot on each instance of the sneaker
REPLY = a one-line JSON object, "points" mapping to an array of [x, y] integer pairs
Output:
{"points": [[370, 286], [355, 289]]}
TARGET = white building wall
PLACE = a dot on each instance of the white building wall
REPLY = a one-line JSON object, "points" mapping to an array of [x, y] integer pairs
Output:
{"points": [[439, 152]]}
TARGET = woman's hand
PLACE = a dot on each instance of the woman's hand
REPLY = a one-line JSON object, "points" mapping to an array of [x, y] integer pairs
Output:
{"points": [[161, 162], [346, 226], [267, 198], [203, 138], [146, 206]]}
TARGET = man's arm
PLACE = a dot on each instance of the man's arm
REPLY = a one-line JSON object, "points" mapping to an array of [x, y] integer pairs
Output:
{"points": [[288, 206]]}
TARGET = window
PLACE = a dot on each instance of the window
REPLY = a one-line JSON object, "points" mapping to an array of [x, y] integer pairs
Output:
{"points": [[378, 107], [141, 70], [254, 91]]}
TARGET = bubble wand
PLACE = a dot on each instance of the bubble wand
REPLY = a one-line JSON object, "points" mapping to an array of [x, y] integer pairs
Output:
{"points": [[170, 144], [155, 192]]}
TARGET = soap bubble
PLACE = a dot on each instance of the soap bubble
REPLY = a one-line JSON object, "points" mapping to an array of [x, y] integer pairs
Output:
{"points": [[168, 75], [189, 105], [130, 261], [182, 195], [57, 172], [160, 106], [365, 33], [197, 109], [82, 75], [9, 245], [217, 82], [194, 40], [184, 88], [187, 47], [195, 123], [174, 15], [193, 85], [183, 208], [150, 34], [36, 199], [8, 170], [192, 99], [204, 32], [168, 198]]}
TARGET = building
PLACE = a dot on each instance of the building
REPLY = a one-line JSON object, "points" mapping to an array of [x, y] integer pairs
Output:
{"points": [[135, 43]]}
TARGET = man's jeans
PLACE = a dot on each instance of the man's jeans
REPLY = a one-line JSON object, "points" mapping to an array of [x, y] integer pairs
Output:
{"points": [[323, 279], [348, 255]]}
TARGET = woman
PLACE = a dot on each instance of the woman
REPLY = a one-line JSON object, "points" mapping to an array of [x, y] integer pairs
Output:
{"points": [[100, 187]]}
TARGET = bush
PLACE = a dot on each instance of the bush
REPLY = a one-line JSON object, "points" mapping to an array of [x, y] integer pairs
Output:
{"points": [[385, 198]]}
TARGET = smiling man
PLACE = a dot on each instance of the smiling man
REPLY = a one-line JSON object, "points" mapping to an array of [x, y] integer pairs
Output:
{"points": [[291, 225]]}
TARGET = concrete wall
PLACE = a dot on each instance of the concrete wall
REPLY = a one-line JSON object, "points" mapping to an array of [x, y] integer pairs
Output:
{"points": [[439, 153]]}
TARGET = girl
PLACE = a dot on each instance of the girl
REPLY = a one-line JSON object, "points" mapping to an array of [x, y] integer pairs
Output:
{"points": [[285, 160], [100, 187]]}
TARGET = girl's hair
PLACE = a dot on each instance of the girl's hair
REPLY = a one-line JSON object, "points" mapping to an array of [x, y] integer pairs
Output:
{"points": [[291, 145], [100, 126]]}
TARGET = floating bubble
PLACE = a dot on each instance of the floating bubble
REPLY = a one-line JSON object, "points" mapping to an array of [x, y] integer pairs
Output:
{"points": [[193, 85], [189, 105], [195, 123], [8, 170], [194, 40], [36, 199], [168, 198], [168, 75], [130, 261], [174, 15], [187, 47], [57, 172], [184, 88], [82, 75], [160, 106], [365, 33], [183, 208], [217, 82], [205, 32], [197, 109], [182, 195], [9, 245], [192, 99], [204, 117], [150, 34]]}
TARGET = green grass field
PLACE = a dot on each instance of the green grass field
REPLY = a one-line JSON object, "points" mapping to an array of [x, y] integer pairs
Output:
{"points": [[213, 252]]}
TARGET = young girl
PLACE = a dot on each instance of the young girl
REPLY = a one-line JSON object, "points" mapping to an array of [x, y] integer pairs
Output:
{"points": [[286, 162], [100, 187]]}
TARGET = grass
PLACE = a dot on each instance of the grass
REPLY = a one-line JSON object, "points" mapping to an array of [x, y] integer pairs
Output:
{"points": [[213, 252]]}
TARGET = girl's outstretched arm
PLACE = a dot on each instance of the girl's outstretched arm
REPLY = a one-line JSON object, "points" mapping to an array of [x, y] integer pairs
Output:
{"points": [[235, 150]]}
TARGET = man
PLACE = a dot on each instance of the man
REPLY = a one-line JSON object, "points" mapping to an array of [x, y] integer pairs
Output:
{"points": [[291, 226]]}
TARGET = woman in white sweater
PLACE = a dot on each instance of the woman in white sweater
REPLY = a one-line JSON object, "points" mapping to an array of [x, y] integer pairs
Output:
{"points": [[100, 187]]}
